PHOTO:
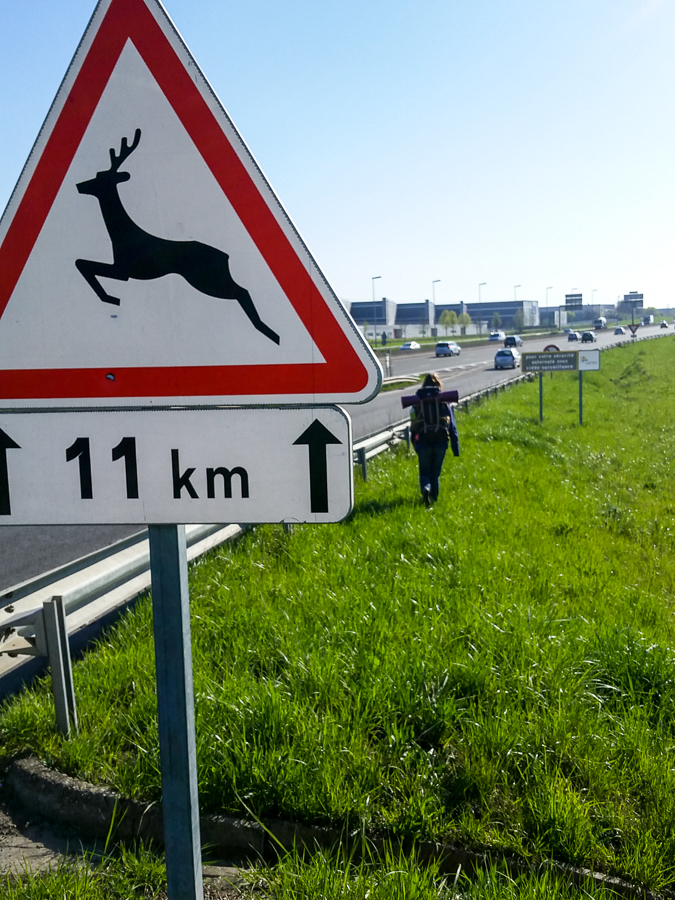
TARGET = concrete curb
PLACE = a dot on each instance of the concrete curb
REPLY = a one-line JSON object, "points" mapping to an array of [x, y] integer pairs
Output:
{"points": [[99, 812]]}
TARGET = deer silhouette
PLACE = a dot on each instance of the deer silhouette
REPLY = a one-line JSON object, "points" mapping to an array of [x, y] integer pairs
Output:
{"points": [[143, 256]]}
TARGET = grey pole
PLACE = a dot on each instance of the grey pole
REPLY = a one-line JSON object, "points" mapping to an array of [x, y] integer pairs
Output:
{"points": [[175, 709], [581, 397], [541, 397]]}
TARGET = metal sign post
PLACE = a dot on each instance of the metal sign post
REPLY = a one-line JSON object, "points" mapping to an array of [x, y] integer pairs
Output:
{"points": [[175, 710], [541, 397], [581, 397]]}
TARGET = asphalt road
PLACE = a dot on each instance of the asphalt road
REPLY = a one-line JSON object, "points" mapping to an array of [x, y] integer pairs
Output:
{"points": [[29, 551]]}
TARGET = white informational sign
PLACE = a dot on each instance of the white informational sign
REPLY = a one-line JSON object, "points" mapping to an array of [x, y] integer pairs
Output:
{"points": [[145, 259], [176, 466], [589, 360]]}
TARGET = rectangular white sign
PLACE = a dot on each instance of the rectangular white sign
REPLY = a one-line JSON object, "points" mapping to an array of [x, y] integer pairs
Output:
{"points": [[175, 466], [589, 360]]}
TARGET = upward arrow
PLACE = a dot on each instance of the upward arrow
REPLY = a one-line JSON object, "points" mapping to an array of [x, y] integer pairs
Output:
{"points": [[6, 443], [317, 437]]}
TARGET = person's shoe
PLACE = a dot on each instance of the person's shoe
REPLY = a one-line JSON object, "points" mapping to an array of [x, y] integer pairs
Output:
{"points": [[426, 495]]}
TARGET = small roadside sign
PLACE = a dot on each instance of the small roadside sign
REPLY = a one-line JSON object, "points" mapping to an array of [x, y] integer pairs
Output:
{"points": [[589, 360], [634, 328], [145, 259], [179, 466], [549, 361]]}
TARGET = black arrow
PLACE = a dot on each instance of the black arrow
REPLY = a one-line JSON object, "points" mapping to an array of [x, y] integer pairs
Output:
{"points": [[317, 437], [6, 443]]}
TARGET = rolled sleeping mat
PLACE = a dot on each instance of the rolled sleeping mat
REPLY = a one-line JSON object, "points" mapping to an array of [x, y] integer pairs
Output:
{"points": [[445, 396]]}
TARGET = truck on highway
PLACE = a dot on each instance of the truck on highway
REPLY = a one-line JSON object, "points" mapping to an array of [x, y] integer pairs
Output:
{"points": [[600, 323], [648, 320]]}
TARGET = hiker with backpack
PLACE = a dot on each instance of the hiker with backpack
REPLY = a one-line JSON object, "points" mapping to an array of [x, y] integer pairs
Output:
{"points": [[432, 428]]}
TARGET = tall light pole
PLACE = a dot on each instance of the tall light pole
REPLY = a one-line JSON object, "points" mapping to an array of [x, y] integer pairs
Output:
{"points": [[550, 288], [515, 289], [482, 284], [373, 280], [594, 291]]}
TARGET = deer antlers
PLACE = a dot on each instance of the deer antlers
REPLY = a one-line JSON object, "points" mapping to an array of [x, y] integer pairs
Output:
{"points": [[125, 151]]}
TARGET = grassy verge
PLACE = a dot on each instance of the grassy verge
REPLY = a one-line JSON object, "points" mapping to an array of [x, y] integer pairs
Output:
{"points": [[140, 875], [498, 671]]}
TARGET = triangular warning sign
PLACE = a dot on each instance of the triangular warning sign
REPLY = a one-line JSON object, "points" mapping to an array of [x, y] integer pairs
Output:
{"points": [[144, 258]]}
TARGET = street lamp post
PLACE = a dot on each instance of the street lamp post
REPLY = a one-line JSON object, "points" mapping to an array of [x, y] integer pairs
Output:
{"points": [[515, 289], [373, 280], [547, 290], [482, 284]]}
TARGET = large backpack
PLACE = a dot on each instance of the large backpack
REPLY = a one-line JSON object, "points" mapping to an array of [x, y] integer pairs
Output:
{"points": [[431, 416]]}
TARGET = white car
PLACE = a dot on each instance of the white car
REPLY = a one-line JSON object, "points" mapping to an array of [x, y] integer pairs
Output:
{"points": [[573, 336], [619, 329], [496, 336], [448, 348], [410, 345], [507, 358]]}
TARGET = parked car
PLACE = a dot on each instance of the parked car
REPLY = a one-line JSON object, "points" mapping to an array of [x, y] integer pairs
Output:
{"points": [[619, 329], [513, 340], [508, 358], [663, 324], [448, 348], [496, 336], [588, 337], [573, 336], [410, 345]]}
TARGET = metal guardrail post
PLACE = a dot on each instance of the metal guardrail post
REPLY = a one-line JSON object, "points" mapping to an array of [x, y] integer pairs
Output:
{"points": [[58, 651], [363, 462]]}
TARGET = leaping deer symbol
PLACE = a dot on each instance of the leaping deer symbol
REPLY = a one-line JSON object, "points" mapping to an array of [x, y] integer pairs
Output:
{"points": [[144, 256]]}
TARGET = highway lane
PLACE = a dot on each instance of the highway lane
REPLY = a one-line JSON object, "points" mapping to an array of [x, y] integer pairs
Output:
{"points": [[29, 551], [472, 371]]}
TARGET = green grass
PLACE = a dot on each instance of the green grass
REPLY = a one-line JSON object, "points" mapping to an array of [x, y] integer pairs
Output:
{"points": [[139, 874], [498, 671], [399, 876], [136, 874]]}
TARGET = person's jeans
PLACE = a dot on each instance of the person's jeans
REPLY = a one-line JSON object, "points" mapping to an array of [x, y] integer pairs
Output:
{"points": [[430, 458]]}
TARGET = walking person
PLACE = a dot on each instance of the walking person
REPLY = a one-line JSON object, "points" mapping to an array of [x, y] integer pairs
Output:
{"points": [[432, 428]]}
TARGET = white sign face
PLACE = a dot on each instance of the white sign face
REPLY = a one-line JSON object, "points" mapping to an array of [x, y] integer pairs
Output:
{"points": [[175, 466], [589, 360], [145, 258]]}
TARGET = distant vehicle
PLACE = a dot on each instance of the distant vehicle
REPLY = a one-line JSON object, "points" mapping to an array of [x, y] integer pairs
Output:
{"points": [[664, 324], [410, 345], [574, 336], [496, 336], [648, 320], [448, 348], [619, 329], [600, 323], [588, 337], [508, 358], [513, 340]]}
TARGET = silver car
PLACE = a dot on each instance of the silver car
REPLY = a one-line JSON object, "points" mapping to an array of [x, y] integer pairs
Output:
{"points": [[448, 348], [508, 358]]}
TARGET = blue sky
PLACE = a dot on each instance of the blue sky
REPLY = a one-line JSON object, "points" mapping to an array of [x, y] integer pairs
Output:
{"points": [[521, 143]]}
